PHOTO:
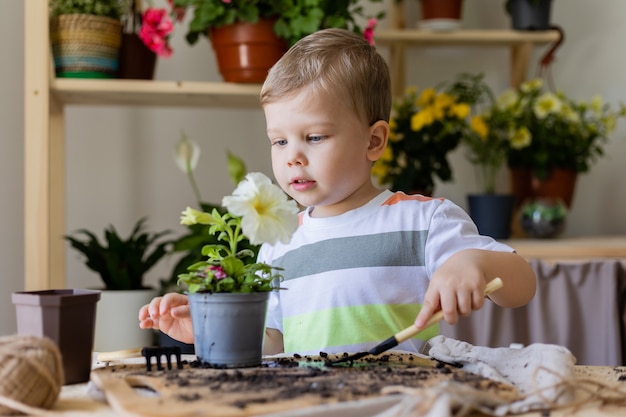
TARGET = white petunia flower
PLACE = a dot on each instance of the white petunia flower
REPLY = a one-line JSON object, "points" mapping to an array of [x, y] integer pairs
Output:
{"points": [[507, 100], [268, 216], [546, 104]]}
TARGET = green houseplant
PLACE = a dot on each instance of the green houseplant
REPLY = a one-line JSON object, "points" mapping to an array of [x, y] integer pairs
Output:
{"points": [[97, 21], [105, 8], [294, 19], [121, 264]]}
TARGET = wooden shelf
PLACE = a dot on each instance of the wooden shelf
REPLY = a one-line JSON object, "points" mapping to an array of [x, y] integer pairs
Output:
{"points": [[155, 93], [520, 44], [465, 37], [571, 249]]}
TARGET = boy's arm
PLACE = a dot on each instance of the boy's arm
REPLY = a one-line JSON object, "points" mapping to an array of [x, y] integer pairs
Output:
{"points": [[273, 342], [457, 287]]}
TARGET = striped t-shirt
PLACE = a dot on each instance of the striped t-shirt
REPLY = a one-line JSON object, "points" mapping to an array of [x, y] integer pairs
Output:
{"points": [[355, 279]]}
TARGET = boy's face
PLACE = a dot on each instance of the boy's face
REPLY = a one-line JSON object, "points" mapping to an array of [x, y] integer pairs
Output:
{"points": [[321, 153]]}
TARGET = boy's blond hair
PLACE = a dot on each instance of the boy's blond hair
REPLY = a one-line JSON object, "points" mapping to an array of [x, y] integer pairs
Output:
{"points": [[340, 62]]}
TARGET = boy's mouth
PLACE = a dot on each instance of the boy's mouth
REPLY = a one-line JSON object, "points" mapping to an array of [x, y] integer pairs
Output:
{"points": [[301, 184]]}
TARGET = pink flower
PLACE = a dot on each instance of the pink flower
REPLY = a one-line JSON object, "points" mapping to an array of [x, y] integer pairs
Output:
{"points": [[368, 33], [155, 31], [218, 272]]}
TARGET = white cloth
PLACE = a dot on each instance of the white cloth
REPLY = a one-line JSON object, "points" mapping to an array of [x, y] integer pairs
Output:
{"points": [[535, 370]]}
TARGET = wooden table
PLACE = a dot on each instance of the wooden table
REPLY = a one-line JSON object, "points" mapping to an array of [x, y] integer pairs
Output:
{"points": [[82, 399]]}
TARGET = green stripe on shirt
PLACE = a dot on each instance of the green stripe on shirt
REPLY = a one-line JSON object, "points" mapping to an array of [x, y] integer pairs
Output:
{"points": [[350, 325]]}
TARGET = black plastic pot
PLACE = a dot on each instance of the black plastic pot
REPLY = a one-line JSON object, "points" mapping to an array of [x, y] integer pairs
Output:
{"points": [[529, 14]]}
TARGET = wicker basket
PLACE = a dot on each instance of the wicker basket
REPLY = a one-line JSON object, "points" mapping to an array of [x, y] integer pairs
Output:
{"points": [[85, 46]]}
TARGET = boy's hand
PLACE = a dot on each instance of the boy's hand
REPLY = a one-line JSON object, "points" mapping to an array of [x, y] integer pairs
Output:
{"points": [[456, 288], [169, 314]]}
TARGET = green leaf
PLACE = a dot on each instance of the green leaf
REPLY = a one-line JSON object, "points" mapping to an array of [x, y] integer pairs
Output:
{"points": [[236, 168]]}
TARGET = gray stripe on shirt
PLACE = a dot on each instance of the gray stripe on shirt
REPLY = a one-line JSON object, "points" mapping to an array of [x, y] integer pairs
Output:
{"points": [[402, 248]]}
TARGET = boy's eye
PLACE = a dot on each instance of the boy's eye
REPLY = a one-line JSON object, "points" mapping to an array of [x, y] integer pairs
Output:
{"points": [[279, 142], [316, 138]]}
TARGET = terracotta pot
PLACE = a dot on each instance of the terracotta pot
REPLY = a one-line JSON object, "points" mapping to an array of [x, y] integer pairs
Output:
{"points": [[441, 14], [245, 52], [136, 60], [560, 183], [521, 184], [441, 9]]}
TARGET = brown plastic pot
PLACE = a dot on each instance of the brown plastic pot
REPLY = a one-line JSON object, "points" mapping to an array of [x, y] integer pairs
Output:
{"points": [[66, 316]]}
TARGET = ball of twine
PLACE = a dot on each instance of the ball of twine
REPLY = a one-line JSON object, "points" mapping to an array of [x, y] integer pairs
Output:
{"points": [[31, 373]]}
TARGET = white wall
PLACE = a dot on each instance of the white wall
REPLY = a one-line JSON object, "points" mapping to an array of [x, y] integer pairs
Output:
{"points": [[120, 168]]}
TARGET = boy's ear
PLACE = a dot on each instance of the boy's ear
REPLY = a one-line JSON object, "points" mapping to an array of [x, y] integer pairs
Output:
{"points": [[379, 135]]}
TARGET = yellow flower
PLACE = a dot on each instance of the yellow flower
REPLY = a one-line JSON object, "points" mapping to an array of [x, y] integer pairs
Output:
{"points": [[479, 126], [426, 97], [461, 110], [520, 138], [444, 100], [546, 104], [421, 119]]}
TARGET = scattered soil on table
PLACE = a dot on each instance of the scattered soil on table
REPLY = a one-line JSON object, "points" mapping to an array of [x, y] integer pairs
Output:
{"points": [[302, 377]]}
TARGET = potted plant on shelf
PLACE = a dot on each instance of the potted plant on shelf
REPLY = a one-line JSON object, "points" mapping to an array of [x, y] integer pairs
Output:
{"points": [[553, 139], [122, 265], [85, 37], [228, 290], [144, 36], [425, 128], [265, 28], [486, 145]]}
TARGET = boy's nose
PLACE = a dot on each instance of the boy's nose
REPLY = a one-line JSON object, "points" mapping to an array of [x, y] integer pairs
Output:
{"points": [[296, 157]]}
